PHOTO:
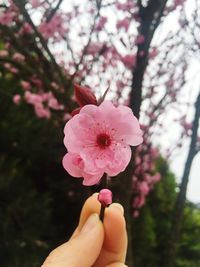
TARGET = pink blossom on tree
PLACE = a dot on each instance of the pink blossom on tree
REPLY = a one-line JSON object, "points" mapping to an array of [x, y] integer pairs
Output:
{"points": [[140, 39], [102, 21], [16, 99], [129, 61], [123, 24], [7, 17], [25, 85], [18, 57], [3, 53]]}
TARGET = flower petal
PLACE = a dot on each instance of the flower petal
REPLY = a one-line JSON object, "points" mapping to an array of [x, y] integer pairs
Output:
{"points": [[69, 161], [91, 179], [121, 158], [80, 125]]}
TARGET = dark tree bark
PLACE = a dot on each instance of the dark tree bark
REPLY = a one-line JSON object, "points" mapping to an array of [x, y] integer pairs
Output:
{"points": [[175, 232], [150, 19]]}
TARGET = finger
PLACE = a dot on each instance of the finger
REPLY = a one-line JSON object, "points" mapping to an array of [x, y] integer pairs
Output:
{"points": [[90, 206], [115, 243], [82, 250], [115, 240], [118, 264], [115, 231]]}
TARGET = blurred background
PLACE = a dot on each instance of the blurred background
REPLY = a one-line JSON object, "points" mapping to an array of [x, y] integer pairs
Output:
{"points": [[146, 53]]}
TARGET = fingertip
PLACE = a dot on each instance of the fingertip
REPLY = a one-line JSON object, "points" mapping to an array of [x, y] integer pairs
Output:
{"points": [[117, 207], [90, 206], [118, 264], [115, 231]]}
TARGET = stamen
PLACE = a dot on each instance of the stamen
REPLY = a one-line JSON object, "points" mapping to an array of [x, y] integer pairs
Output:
{"points": [[103, 140]]}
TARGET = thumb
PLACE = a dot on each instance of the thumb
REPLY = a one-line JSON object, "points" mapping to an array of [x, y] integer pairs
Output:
{"points": [[82, 250]]}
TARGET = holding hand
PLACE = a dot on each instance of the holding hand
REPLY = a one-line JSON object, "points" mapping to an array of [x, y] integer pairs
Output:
{"points": [[94, 243]]}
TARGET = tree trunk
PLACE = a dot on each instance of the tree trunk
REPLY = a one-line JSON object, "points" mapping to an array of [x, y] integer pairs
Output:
{"points": [[150, 19], [175, 233], [149, 24]]}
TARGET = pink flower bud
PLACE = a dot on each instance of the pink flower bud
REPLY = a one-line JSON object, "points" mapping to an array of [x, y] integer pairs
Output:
{"points": [[84, 96], [75, 111], [105, 197]]}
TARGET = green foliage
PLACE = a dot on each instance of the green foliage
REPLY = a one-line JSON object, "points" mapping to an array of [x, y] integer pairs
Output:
{"points": [[39, 202], [189, 246], [151, 229]]}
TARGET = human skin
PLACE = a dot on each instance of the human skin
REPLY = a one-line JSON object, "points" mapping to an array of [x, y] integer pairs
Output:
{"points": [[93, 243]]}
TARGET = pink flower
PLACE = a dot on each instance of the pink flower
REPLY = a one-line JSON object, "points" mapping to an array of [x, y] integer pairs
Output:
{"points": [[35, 3], [124, 23], [139, 201], [140, 39], [26, 29], [129, 61], [7, 17], [3, 53], [25, 85], [153, 53], [105, 197], [136, 214], [127, 6], [98, 140], [54, 28], [102, 21], [37, 101], [18, 57], [94, 48], [42, 112], [144, 188], [16, 99]]}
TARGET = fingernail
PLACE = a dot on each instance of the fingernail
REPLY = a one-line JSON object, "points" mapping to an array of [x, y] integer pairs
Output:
{"points": [[90, 223], [95, 195], [118, 207]]}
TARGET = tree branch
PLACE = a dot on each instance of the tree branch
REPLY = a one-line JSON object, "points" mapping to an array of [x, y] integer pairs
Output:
{"points": [[22, 8], [147, 29], [53, 11]]}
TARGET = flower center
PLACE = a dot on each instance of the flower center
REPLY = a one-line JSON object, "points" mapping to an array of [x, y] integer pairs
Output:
{"points": [[103, 140]]}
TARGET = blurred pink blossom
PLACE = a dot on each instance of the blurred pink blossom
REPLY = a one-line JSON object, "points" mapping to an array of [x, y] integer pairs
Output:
{"points": [[18, 57], [129, 61], [94, 48], [124, 23], [25, 85], [26, 28], [127, 6], [35, 3], [7, 17], [139, 201], [16, 99], [102, 21], [38, 100], [42, 112], [153, 53], [3, 53], [53, 28], [144, 188], [140, 39]]}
